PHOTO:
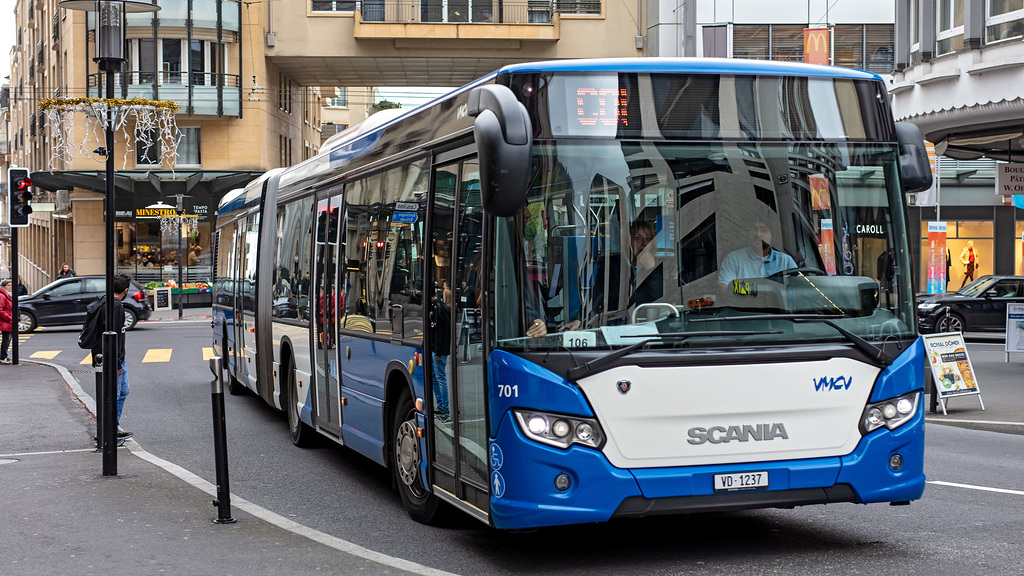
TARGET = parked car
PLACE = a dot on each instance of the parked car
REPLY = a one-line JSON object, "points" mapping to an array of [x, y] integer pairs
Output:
{"points": [[64, 302], [978, 307]]}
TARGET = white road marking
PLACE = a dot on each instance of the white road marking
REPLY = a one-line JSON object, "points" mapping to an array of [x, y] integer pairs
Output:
{"points": [[973, 487], [958, 421], [19, 454], [244, 505]]}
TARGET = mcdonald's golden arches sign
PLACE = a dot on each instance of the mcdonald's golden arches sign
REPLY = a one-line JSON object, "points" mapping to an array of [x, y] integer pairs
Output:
{"points": [[816, 45]]}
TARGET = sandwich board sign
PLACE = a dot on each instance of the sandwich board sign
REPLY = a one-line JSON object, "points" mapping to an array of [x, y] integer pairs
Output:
{"points": [[951, 367]]}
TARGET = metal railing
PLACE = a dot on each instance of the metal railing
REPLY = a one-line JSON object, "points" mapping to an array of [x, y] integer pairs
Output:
{"points": [[471, 11], [141, 78]]}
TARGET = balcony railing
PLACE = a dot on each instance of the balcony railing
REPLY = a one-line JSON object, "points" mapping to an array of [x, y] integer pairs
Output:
{"points": [[471, 11], [204, 93]]}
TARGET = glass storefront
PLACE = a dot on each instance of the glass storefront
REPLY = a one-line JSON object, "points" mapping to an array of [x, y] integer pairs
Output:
{"points": [[152, 238], [962, 238]]}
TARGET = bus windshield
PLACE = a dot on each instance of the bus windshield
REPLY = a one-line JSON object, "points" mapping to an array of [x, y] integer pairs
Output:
{"points": [[624, 239]]}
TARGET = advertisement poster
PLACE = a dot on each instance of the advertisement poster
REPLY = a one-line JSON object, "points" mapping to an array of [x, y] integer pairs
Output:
{"points": [[827, 247], [1015, 327], [951, 367], [819, 192], [936, 255]]}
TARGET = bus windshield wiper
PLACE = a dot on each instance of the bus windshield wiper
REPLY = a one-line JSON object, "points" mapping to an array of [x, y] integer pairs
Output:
{"points": [[600, 362], [876, 353]]}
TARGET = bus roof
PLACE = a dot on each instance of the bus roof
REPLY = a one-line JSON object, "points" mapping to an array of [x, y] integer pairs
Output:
{"points": [[689, 66]]}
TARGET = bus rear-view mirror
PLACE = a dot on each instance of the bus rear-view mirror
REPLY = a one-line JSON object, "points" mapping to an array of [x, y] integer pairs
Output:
{"points": [[915, 170], [504, 137]]}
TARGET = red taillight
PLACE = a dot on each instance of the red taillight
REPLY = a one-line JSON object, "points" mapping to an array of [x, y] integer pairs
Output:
{"points": [[139, 296]]}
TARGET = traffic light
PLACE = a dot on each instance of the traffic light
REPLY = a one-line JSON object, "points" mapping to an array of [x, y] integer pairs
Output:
{"points": [[19, 203]]}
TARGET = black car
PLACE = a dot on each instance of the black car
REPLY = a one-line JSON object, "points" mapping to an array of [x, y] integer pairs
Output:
{"points": [[978, 307], [64, 302]]}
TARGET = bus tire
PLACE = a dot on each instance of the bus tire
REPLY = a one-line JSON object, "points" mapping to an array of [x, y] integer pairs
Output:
{"points": [[302, 435], [421, 505]]}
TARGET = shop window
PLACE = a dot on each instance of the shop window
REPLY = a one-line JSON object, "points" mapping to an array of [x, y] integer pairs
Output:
{"points": [[1018, 244], [961, 234]]}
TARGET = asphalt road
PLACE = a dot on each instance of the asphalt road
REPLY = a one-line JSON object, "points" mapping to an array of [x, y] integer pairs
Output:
{"points": [[963, 525]]}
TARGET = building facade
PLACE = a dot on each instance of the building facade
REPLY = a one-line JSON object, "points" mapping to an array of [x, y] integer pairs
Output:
{"points": [[238, 115], [959, 76]]}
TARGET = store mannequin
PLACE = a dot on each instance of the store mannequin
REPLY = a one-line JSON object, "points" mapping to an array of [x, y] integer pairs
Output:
{"points": [[969, 258]]}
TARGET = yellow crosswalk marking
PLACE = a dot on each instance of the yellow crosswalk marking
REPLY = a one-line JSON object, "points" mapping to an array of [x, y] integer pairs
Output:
{"points": [[207, 353], [157, 355], [46, 354], [87, 360]]}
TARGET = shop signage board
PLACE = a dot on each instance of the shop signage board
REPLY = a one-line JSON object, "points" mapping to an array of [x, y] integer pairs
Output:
{"points": [[1009, 178], [951, 367], [161, 298], [1014, 329]]}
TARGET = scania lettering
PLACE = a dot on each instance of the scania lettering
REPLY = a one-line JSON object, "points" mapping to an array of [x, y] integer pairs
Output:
{"points": [[745, 433], [649, 285]]}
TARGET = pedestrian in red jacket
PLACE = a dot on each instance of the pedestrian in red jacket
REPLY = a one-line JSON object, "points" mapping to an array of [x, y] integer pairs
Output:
{"points": [[6, 318]]}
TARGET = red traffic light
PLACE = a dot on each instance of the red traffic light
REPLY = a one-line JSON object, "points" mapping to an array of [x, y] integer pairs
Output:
{"points": [[25, 182]]}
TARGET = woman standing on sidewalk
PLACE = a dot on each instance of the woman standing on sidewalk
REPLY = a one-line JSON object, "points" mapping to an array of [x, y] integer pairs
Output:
{"points": [[6, 318]]}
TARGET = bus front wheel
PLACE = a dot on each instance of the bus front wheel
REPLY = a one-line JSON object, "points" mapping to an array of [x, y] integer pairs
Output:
{"points": [[421, 505]]}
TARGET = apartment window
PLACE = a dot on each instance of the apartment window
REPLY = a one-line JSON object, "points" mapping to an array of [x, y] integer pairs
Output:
{"points": [[1004, 19], [171, 61], [333, 6], [950, 36], [189, 147], [915, 31], [578, 6], [284, 92], [340, 100], [147, 149]]}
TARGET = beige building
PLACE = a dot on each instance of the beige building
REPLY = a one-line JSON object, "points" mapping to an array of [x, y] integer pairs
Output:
{"points": [[247, 78]]}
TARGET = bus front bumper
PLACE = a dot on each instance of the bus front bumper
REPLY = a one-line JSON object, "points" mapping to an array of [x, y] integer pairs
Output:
{"points": [[524, 493]]}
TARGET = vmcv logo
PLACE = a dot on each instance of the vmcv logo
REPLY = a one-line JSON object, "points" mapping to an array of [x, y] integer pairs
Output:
{"points": [[826, 384], [745, 433]]}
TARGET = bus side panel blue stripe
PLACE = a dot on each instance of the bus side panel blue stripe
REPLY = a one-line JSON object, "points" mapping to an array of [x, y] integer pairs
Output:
{"points": [[362, 424], [517, 382], [905, 374], [529, 497]]}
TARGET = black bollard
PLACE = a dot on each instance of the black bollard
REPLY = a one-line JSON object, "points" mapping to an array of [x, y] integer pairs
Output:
{"points": [[220, 444]]}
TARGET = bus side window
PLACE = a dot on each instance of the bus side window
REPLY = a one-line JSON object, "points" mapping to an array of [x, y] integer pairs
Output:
{"points": [[405, 191]]}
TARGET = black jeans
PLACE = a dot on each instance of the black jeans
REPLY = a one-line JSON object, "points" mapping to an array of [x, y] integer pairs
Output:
{"points": [[5, 342]]}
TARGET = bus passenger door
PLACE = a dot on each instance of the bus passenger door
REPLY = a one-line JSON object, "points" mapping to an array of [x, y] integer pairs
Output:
{"points": [[327, 404], [460, 463], [249, 246]]}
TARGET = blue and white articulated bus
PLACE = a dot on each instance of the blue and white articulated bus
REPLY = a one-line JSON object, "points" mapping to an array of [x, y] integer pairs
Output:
{"points": [[581, 290]]}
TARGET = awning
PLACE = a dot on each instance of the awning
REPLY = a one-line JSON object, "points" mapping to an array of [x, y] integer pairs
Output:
{"points": [[148, 182]]}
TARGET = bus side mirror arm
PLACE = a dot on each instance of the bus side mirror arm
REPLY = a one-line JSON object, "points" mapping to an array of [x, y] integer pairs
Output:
{"points": [[504, 138]]}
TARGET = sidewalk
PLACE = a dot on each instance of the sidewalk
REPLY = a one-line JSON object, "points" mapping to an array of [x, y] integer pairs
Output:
{"points": [[187, 315], [62, 516]]}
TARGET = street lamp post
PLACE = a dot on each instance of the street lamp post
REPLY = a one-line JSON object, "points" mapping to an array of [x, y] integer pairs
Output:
{"points": [[110, 42]]}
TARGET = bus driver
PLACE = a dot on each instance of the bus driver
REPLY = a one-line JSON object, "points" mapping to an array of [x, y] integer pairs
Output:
{"points": [[755, 260]]}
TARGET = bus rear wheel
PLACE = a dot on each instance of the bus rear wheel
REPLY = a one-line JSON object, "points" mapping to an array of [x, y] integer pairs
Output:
{"points": [[421, 505], [302, 435]]}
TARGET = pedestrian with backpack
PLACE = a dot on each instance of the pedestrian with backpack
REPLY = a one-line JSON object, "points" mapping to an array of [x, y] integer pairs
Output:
{"points": [[6, 319], [92, 338]]}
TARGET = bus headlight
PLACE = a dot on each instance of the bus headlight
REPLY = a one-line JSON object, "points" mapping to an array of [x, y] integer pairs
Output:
{"points": [[891, 413], [559, 431]]}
